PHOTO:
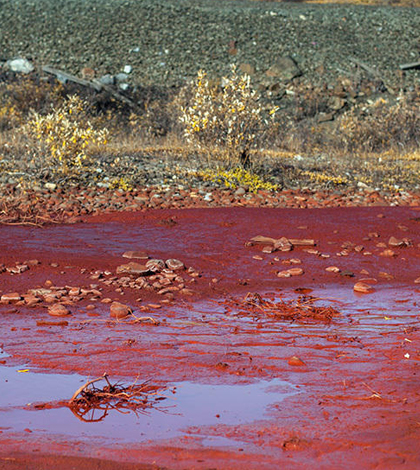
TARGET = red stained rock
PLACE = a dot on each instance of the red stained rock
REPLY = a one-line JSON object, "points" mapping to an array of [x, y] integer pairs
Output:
{"points": [[333, 269], [363, 288], [174, 264], [388, 253], [291, 272], [119, 310], [10, 297], [295, 361], [283, 244], [135, 255], [133, 268], [155, 265], [417, 281], [58, 310]]}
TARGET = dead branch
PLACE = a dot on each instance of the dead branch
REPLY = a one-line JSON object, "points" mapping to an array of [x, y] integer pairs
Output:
{"points": [[86, 385]]}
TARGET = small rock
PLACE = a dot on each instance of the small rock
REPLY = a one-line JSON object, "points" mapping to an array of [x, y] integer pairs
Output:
{"points": [[58, 310], [240, 191], [51, 186], [107, 79], [333, 269], [20, 65], [87, 73], [155, 265], [133, 268], [127, 69], [136, 255], [363, 288], [417, 281], [119, 310], [174, 264], [285, 68], [296, 271], [10, 297], [388, 253], [295, 361]]}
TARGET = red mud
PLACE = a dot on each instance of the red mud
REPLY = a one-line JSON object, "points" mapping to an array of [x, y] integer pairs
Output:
{"points": [[356, 376]]}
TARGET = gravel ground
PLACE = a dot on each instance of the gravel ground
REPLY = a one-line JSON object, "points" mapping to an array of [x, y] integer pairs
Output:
{"points": [[167, 41]]}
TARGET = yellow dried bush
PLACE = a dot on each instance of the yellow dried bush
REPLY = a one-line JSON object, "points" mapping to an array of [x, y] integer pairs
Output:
{"points": [[238, 177], [65, 135], [224, 123]]}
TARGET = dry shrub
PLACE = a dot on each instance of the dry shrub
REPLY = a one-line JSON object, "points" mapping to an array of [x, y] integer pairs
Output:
{"points": [[380, 127], [224, 122], [65, 135]]}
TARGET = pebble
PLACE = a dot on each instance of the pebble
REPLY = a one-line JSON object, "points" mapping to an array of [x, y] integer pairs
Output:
{"points": [[363, 288], [10, 297], [295, 361], [133, 268], [119, 310], [333, 269], [155, 265], [291, 272], [174, 264], [58, 310], [136, 255]]}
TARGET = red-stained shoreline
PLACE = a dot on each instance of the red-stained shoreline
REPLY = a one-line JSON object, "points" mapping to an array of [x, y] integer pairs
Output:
{"points": [[358, 400]]}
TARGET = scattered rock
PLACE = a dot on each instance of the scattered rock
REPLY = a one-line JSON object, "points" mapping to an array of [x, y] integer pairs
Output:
{"points": [[295, 361], [10, 297], [333, 269], [136, 255], [291, 272], [285, 68], [58, 310], [174, 264], [155, 265], [133, 268], [119, 310], [20, 65], [388, 253], [363, 288]]}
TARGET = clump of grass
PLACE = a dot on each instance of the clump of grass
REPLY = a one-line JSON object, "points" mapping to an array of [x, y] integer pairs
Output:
{"points": [[65, 135], [237, 177], [225, 122]]}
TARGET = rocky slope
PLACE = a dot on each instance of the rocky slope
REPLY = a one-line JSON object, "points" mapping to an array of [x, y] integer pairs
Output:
{"points": [[167, 41]]}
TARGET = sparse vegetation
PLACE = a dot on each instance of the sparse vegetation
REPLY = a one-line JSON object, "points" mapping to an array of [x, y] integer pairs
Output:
{"points": [[374, 142], [225, 122], [65, 135]]}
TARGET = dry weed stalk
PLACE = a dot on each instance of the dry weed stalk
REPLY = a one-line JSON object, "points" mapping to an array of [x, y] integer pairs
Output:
{"points": [[301, 309]]}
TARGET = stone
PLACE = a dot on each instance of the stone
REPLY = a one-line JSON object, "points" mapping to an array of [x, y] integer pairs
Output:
{"points": [[121, 78], [295, 361], [155, 265], [285, 68], [174, 264], [133, 268], [20, 65], [107, 80], [417, 281], [363, 288], [135, 255], [58, 310], [240, 191], [87, 73], [119, 310], [10, 297], [296, 271], [283, 244], [388, 253], [333, 269]]}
